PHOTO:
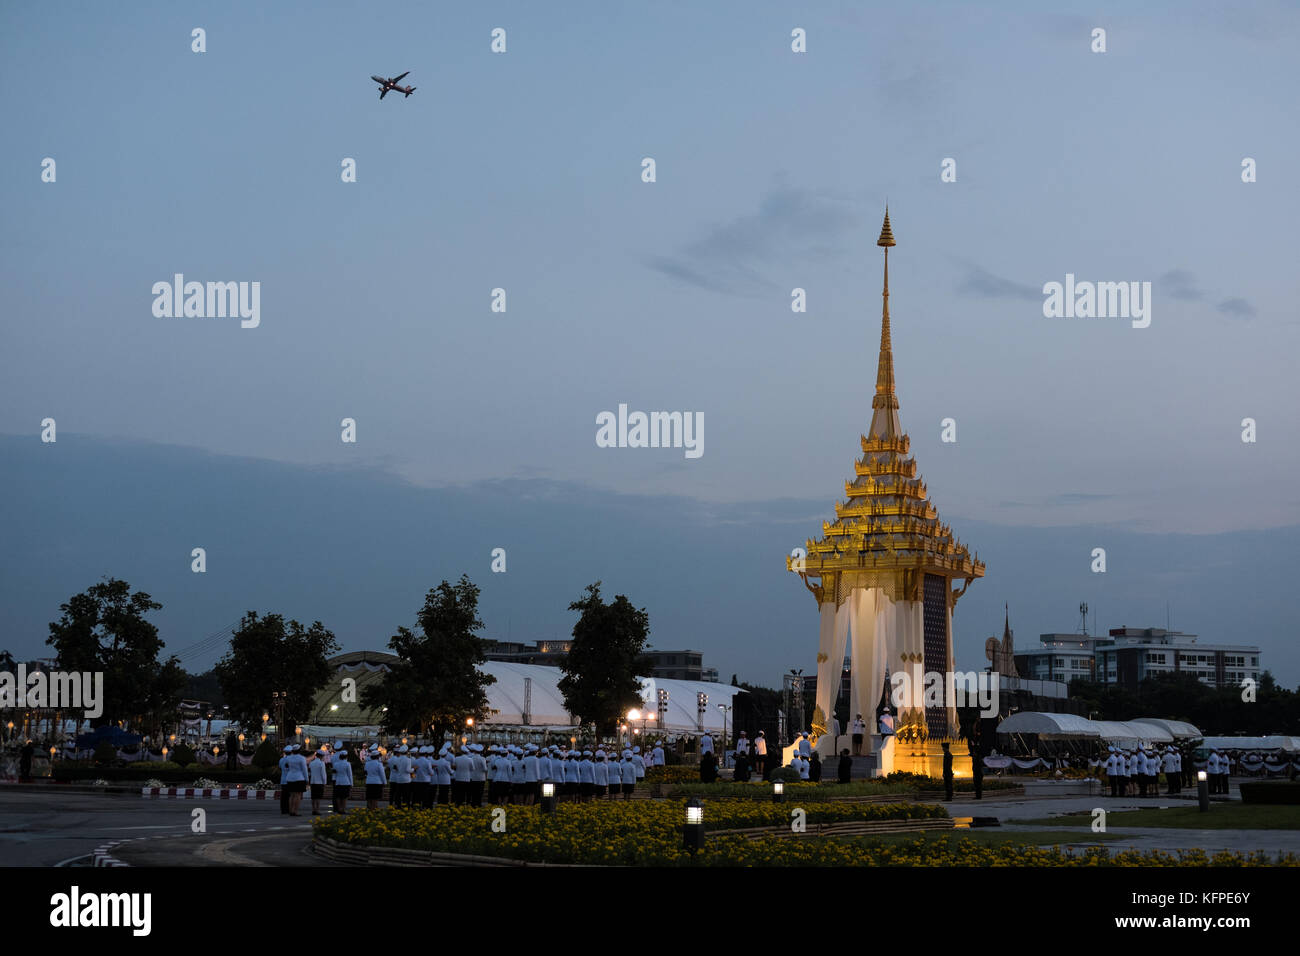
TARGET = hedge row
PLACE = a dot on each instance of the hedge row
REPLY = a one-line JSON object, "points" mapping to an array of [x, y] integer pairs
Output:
{"points": [[68, 772]]}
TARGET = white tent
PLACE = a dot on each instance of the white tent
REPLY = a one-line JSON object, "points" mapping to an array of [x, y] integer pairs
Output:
{"points": [[683, 703], [1129, 733], [1150, 733], [1048, 725], [523, 697], [1178, 729], [1289, 744], [518, 685]]}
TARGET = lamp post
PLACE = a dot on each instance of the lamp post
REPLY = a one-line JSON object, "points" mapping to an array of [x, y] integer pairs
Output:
{"points": [[1202, 790], [701, 702], [725, 710], [663, 708], [548, 797], [778, 791], [279, 699], [693, 831]]}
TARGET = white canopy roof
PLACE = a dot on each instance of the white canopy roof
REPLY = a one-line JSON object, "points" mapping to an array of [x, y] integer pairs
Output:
{"points": [[1130, 732], [506, 697], [1178, 729], [1289, 744], [523, 687], [1048, 725]]}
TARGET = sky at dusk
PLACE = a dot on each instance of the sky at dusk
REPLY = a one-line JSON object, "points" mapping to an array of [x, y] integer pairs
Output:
{"points": [[522, 171]]}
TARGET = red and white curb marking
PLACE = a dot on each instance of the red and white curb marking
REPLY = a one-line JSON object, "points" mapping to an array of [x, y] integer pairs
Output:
{"points": [[102, 857], [192, 793]]}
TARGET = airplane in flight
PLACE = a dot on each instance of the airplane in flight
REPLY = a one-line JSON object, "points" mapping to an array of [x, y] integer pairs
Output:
{"points": [[387, 85]]}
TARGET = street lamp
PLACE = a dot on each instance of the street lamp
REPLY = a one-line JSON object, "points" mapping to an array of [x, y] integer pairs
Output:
{"points": [[693, 831], [548, 797], [725, 709], [701, 702], [279, 699], [778, 791], [1202, 790]]}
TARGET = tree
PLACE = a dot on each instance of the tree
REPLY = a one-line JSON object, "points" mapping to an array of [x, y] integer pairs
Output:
{"points": [[268, 656], [601, 669], [435, 686], [103, 630], [204, 686]]}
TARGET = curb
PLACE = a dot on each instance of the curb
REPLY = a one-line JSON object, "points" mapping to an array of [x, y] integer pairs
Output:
{"points": [[191, 793], [101, 856], [358, 855]]}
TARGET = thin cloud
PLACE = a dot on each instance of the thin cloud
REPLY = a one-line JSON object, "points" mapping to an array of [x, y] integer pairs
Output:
{"points": [[986, 285], [1237, 307], [1180, 284], [791, 224]]}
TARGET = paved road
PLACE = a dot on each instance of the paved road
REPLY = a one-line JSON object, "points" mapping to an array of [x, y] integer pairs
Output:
{"points": [[1009, 811], [48, 828], [51, 827]]}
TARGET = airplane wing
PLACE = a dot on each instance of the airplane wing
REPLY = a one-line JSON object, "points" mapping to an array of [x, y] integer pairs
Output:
{"points": [[398, 79], [378, 79], [383, 92]]}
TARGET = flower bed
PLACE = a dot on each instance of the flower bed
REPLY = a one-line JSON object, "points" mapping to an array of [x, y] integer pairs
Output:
{"points": [[678, 774], [637, 833], [649, 834]]}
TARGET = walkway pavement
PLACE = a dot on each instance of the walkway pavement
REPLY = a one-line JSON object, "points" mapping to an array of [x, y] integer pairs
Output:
{"points": [[1010, 810]]}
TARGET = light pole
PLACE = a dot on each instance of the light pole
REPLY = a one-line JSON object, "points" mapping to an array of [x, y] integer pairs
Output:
{"points": [[278, 699], [725, 710], [701, 702]]}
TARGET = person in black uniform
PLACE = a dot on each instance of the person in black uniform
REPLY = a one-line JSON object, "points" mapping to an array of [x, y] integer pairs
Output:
{"points": [[25, 762], [846, 766], [815, 768], [947, 772], [708, 767]]}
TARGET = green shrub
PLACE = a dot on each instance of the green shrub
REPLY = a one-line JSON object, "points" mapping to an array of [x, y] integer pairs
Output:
{"points": [[105, 753], [1271, 791], [788, 774], [182, 755], [267, 754]]}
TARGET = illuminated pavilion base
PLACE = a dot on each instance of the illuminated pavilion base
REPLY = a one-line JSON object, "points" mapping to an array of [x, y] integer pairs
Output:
{"points": [[924, 757]]}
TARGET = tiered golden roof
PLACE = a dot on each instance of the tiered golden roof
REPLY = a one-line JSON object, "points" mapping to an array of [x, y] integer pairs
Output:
{"points": [[887, 527]]}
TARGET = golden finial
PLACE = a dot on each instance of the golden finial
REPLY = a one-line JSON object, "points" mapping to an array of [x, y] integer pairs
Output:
{"points": [[886, 234], [885, 397]]}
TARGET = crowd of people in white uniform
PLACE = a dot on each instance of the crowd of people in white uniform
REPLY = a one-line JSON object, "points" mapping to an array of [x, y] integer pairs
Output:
{"points": [[427, 776], [1137, 771]]}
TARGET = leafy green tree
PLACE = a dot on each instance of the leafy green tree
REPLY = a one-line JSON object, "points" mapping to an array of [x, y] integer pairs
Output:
{"points": [[435, 685], [267, 656], [607, 656], [204, 686], [104, 630]]}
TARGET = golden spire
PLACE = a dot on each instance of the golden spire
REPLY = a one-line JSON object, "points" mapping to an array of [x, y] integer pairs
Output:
{"points": [[884, 420]]}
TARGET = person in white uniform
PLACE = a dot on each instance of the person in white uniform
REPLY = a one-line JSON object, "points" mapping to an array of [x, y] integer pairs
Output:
{"points": [[628, 774], [376, 778], [464, 766], [316, 777], [442, 770], [295, 773], [342, 768], [532, 775]]}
